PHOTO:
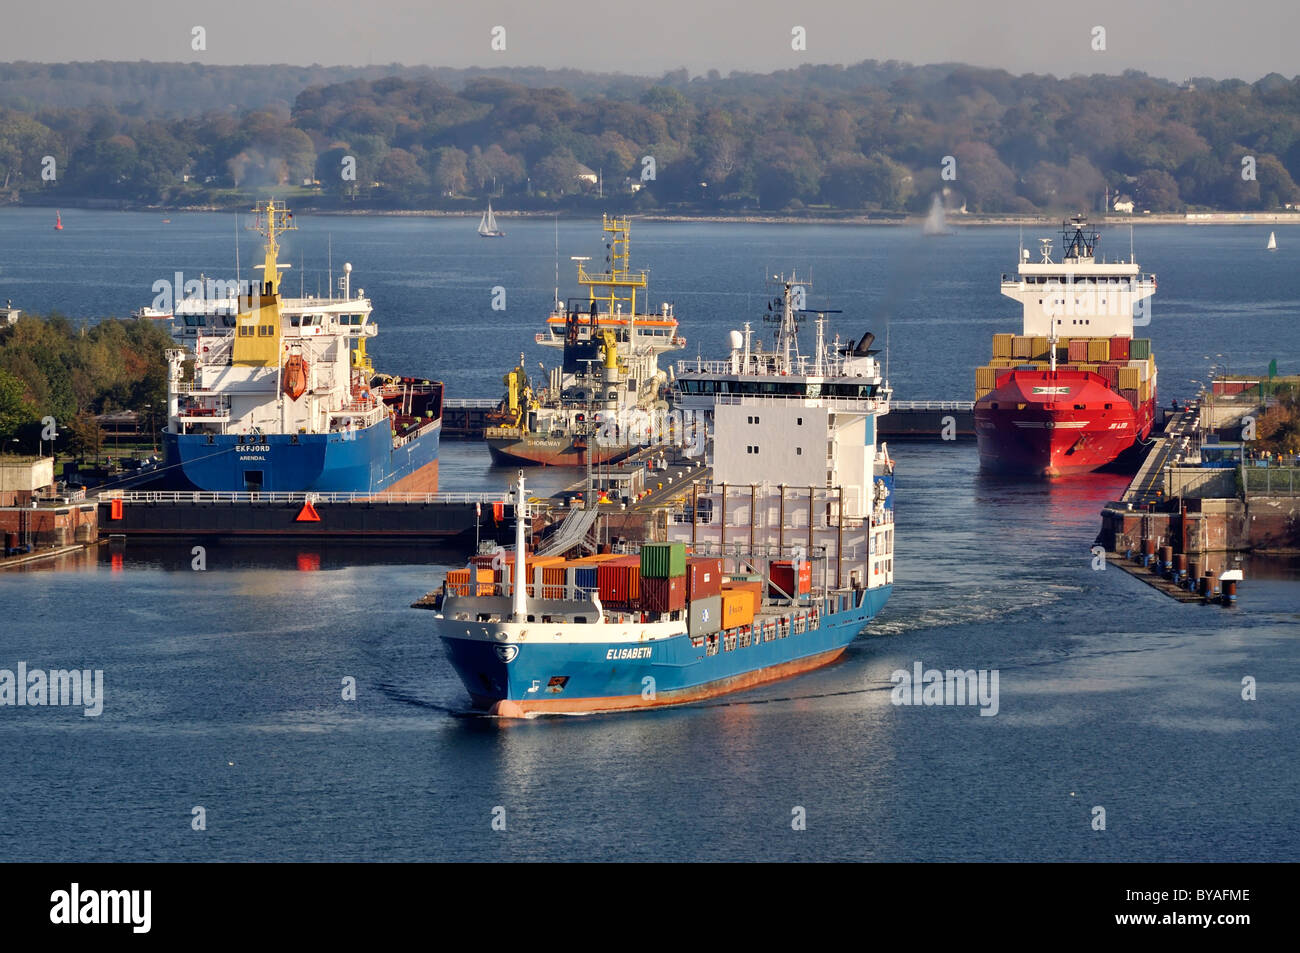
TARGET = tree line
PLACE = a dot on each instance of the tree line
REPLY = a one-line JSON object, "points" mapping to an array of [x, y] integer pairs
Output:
{"points": [[53, 367], [876, 137]]}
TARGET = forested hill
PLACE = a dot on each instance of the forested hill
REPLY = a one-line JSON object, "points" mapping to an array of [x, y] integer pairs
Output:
{"points": [[874, 136]]}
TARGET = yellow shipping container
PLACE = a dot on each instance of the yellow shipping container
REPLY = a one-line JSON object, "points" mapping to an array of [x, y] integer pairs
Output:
{"points": [[982, 392], [737, 607], [1091, 368], [1021, 345], [1098, 350], [1129, 378], [1002, 345], [1038, 348], [985, 377]]}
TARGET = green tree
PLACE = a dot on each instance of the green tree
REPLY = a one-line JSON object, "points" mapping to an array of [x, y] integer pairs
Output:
{"points": [[16, 408]]}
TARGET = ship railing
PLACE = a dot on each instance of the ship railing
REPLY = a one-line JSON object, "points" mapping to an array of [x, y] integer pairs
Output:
{"points": [[218, 409], [471, 403], [1083, 279], [932, 405], [398, 388], [769, 364], [414, 434], [186, 388], [211, 496], [869, 405]]}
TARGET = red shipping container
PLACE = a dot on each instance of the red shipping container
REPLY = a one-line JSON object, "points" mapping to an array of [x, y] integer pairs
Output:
{"points": [[619, 580], [1119, 349], [1079, 351], [663, 595], [703, 577], [1109, 374], [1131, 396], [782, 575]]}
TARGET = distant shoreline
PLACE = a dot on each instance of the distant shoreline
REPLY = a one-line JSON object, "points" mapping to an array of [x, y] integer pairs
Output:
{"points": [[954, 221]]}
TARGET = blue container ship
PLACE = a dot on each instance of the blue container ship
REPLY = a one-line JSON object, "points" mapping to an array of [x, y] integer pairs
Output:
{"points": [[283, 398], [798, 519]]}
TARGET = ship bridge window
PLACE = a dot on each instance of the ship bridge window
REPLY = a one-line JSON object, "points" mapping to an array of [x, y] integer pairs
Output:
{"points": [[295, 320]]}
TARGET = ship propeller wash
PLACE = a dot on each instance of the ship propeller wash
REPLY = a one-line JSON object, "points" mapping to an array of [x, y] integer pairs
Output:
{"points": [[770, 570]]}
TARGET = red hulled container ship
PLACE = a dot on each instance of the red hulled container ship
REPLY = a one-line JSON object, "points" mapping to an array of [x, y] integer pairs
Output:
{"points": [[1076, 389]]}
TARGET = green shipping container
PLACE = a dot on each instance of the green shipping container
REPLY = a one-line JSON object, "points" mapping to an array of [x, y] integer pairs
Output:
{"points": [[1139, 349], [663, 560]]}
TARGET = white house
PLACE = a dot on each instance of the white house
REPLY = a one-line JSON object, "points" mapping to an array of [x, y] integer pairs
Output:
{"points": [[1124, 205]]}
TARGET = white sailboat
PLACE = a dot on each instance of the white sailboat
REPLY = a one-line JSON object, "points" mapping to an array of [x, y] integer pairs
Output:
{"points": [[487, 227], [1272, 241]]}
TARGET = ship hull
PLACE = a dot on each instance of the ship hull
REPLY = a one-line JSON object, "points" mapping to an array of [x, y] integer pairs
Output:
{"points": [[1046, 424], [362, 461], [596, 677], [550, 452]]}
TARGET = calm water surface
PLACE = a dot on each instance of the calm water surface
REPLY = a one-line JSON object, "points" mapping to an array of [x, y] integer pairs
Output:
{"points": [[223, 688]]}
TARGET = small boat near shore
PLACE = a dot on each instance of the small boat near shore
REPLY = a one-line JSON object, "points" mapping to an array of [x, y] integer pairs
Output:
{"points": [[487, 226]]}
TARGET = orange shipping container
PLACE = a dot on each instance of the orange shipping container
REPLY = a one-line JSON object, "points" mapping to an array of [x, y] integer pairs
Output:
{"points": [[458, 582], [737, 607]]}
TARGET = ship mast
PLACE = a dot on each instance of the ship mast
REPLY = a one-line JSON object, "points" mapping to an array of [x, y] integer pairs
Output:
{"points": [[620, 283], [270, 223], [519, 608]]}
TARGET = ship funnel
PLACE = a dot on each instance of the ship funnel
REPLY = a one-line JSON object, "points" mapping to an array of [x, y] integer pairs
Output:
{"points": [[864, 346]]}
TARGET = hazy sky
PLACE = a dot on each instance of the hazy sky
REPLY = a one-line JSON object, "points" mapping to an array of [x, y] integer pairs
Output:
{"points": [[1170, 38]]}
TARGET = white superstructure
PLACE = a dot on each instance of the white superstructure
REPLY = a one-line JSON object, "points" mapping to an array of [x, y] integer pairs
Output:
{"points": [[1078, 296], [794, 453]]}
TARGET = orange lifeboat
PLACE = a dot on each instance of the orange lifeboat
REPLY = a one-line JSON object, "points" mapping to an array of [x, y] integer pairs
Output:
{"points": [[294, 377]]}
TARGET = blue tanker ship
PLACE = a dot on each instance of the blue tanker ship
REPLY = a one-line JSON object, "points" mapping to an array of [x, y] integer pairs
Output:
{"points": [[283, 399]]}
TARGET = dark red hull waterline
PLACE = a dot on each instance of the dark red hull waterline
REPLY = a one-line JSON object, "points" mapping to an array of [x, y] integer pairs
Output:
{"points": [[1056, 423], [551, 452]]}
